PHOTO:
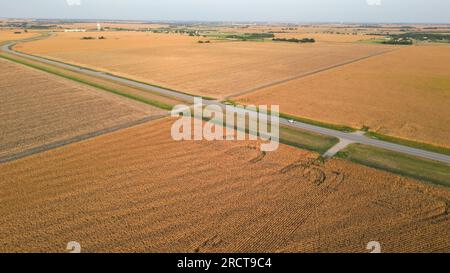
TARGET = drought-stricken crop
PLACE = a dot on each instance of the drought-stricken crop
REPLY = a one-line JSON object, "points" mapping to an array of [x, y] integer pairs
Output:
{"points": [[15, 34], [39, 109], [218, 69], [137, 190], [404, 93]]}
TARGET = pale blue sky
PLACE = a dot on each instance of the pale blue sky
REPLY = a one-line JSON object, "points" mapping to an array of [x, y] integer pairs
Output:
{"points": [[401, 11]]}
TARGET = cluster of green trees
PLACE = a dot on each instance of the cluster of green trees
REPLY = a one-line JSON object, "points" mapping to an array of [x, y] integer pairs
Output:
{"points": [[119, 29], [398, 42], [422, 36], [250, 36], [41, 26], [93, 38], [189, 32], [293, 40]]}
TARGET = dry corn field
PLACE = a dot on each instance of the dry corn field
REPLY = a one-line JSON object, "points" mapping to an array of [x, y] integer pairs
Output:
{"points": [[137, 190], [9, 34], [405, 93], [179, 62], [38, 109]]}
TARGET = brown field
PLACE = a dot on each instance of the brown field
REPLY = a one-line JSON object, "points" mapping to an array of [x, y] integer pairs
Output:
{"points": [[136, 190], [405, 93], [38, 109], [218, 69], [8, 35]]}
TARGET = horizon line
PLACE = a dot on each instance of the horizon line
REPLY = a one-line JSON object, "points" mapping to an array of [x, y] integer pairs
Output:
{"points": [[149, 21]]}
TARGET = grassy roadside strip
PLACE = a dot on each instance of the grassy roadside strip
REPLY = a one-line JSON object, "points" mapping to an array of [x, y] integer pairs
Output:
{"points": [[405, 165], [347, 129], [121, 77], [86, 82], [410, 143], [296, 138], [162, 87], [306, 140], [336, 127]]}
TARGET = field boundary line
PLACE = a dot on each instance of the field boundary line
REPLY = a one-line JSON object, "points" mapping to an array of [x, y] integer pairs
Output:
{"points": [[79, 138], [307, 74]]}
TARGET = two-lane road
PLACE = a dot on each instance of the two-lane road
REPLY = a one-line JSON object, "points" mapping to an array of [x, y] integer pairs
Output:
{"points": [[350, 137]]}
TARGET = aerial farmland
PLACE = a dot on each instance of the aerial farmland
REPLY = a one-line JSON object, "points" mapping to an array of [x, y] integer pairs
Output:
{"points": [[15, 34], [404, 93], [40, 109], [116, 136], [217, 69], [133, 203]]}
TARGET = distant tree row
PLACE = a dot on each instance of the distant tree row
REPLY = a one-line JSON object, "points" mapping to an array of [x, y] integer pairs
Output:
{"points": [[422, 36], [93, 38], [250, 36], [294, 40], [398, 42]]}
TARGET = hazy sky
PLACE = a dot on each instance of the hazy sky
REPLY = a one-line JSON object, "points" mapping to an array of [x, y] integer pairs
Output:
{"points": [[402, 11]]}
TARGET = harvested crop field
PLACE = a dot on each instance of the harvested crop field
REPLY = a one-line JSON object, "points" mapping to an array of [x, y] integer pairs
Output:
{"points": [[38, 109], [9, 34], [217, 69], [405, 93], [137, 190]]}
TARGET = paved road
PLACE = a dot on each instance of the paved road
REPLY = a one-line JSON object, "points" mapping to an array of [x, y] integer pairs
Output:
{"points": [[337, 148], [348, 137]]}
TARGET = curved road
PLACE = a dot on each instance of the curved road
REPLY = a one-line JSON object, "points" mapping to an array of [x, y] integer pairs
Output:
{"points": [[347, 137]]}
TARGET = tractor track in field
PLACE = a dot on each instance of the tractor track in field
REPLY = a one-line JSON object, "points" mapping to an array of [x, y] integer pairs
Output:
{"points": [[61, 143]]}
